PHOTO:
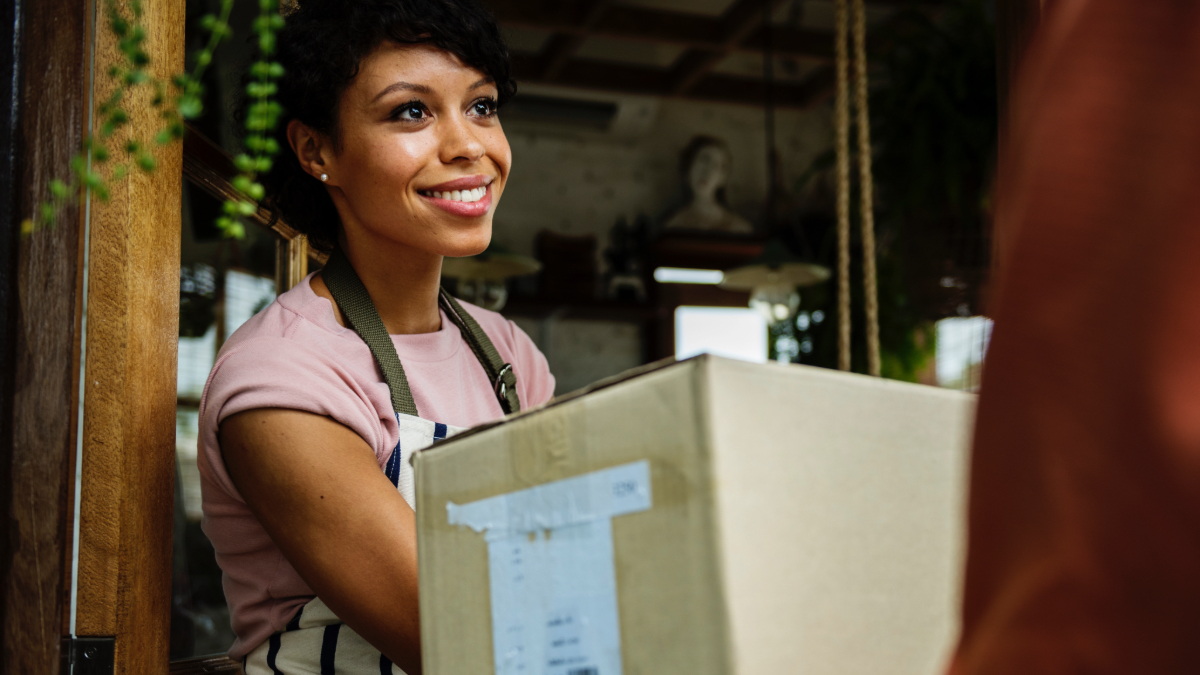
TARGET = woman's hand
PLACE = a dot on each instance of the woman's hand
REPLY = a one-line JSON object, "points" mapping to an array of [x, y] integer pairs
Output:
{"points": [[317, 489]]}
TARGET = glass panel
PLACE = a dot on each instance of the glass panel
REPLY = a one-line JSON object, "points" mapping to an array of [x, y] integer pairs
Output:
{"points": [[223, 77], [222, 283], [733, 332]]}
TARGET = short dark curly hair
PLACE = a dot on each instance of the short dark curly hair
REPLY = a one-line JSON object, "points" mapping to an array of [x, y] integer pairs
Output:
{"points": [[321, 46]]}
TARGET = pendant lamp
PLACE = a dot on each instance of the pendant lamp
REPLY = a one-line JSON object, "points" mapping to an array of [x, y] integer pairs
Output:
{"points": [[481, 277], [773, 279]]}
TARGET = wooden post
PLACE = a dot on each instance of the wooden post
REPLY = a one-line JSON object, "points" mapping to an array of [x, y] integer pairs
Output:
{"points": [[45, 71], [129, 386]]}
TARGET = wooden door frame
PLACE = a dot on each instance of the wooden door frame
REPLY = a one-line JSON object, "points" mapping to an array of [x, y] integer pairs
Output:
{"points": [[45, 67], [97, 293]]}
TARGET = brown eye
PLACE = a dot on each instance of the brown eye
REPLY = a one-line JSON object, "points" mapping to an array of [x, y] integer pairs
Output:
{"points": [[413, 111], [483, 108]]}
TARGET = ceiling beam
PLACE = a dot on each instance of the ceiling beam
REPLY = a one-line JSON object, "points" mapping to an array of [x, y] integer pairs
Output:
{"points": [[680, 29], [562, 45], [650, 81], [737, 23]]}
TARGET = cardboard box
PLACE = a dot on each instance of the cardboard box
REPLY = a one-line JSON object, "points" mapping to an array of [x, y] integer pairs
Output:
{"points": [[707, 516]]}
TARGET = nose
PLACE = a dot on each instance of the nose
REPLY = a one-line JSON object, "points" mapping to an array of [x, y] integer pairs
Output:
{"points": [[460, 142]]}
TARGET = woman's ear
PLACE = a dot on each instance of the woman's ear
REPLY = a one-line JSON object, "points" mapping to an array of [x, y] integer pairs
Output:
{"points": [[311, 148]]}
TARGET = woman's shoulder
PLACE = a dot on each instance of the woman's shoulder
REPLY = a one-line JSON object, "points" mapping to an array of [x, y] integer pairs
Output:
{"points": [[287, 317], [293, 354]]}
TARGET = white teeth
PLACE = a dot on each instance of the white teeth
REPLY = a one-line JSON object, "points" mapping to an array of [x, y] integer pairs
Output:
{"points": [[473, 195]]}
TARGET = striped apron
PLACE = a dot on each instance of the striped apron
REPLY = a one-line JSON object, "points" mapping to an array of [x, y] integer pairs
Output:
{"points": [[315, 642]]}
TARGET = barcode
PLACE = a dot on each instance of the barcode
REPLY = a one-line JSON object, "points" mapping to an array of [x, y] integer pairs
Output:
{"points": [[584, 671]]}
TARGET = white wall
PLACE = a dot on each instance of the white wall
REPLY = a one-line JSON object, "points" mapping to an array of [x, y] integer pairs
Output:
{"points": [[581, 182]]}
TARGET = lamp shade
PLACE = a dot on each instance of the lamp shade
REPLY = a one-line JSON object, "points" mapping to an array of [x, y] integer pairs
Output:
{"points": [[776, 266]]}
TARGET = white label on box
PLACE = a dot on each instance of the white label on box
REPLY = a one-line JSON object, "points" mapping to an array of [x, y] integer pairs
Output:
{"points": [[550, 566]]}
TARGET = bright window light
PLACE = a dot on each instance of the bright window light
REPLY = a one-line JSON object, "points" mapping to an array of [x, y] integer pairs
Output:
{"points": [[733, 332], [681, 275], [961, 345]]}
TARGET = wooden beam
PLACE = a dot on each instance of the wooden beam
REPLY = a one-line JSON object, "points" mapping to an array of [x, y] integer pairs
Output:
{"points": [[737, 23], [562, 46], [649, 81], [678, 29], [44, 96]]}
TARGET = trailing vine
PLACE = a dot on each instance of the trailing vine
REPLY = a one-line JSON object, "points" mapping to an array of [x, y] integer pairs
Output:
{"points": [[94, 170]]}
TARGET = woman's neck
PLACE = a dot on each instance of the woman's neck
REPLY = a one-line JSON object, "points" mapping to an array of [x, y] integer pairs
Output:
{"points": [[403, 284]]}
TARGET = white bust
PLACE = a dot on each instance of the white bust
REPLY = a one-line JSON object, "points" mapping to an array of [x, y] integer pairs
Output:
{"points": [[705, 167]]}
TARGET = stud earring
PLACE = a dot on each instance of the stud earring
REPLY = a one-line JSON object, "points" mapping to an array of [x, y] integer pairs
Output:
{"points": [[324, 177]]}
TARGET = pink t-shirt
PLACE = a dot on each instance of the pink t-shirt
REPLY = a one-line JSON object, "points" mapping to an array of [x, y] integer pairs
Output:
{"points": [[295, 355]]}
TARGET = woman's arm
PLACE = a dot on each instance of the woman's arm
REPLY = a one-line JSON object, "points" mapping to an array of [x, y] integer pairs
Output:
{"points": [[317, 489]]}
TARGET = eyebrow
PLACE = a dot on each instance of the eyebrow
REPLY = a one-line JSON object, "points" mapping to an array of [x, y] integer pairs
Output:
{"points": [[397, 86], [422, 89]]}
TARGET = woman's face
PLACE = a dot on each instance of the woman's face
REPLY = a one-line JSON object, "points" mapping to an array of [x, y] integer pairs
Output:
{"points": [[421, 158]]}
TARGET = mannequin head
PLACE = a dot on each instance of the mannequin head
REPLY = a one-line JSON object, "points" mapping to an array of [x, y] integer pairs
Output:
{"points": [[704, 165]]}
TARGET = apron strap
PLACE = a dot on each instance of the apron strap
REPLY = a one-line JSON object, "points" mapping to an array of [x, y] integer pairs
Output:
{"points": [[500, 374], [352, 297]]}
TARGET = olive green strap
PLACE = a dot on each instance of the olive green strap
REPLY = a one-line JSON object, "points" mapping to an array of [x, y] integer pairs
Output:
{"points": [[500, 374], [352, 297]]}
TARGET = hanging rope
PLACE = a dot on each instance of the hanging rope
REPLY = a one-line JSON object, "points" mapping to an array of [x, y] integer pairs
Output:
{"points": [[866, 187], [842, 120]]}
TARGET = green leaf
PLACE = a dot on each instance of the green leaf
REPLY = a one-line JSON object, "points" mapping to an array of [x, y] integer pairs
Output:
{"points": [[247, 208], [244, 163], [204, 57], [47, 213], [146, 162], [236, 231], [190, 107], [132, 147], [256, 191], [59, 189], [242, 183], [163, 137]]}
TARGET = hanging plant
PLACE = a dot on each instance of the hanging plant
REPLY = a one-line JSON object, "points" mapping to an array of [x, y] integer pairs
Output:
{"points": [[94, 170]]}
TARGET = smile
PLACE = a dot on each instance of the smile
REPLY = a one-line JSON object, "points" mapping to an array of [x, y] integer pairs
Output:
{"points": [[473, 195], [469, 201]]}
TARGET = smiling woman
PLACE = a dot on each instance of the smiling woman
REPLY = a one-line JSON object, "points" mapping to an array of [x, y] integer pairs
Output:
{"points": [[315, 406]]}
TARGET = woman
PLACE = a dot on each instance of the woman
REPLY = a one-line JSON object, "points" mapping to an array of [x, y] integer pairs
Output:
{"points": [[398, 159]]}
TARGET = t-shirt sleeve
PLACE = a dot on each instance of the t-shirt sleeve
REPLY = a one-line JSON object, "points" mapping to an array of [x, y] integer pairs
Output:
{"points": [[535, 383], [275, 372]]}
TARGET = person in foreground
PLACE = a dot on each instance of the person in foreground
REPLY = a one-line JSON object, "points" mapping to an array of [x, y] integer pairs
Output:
{"points": [[309, 419]]}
